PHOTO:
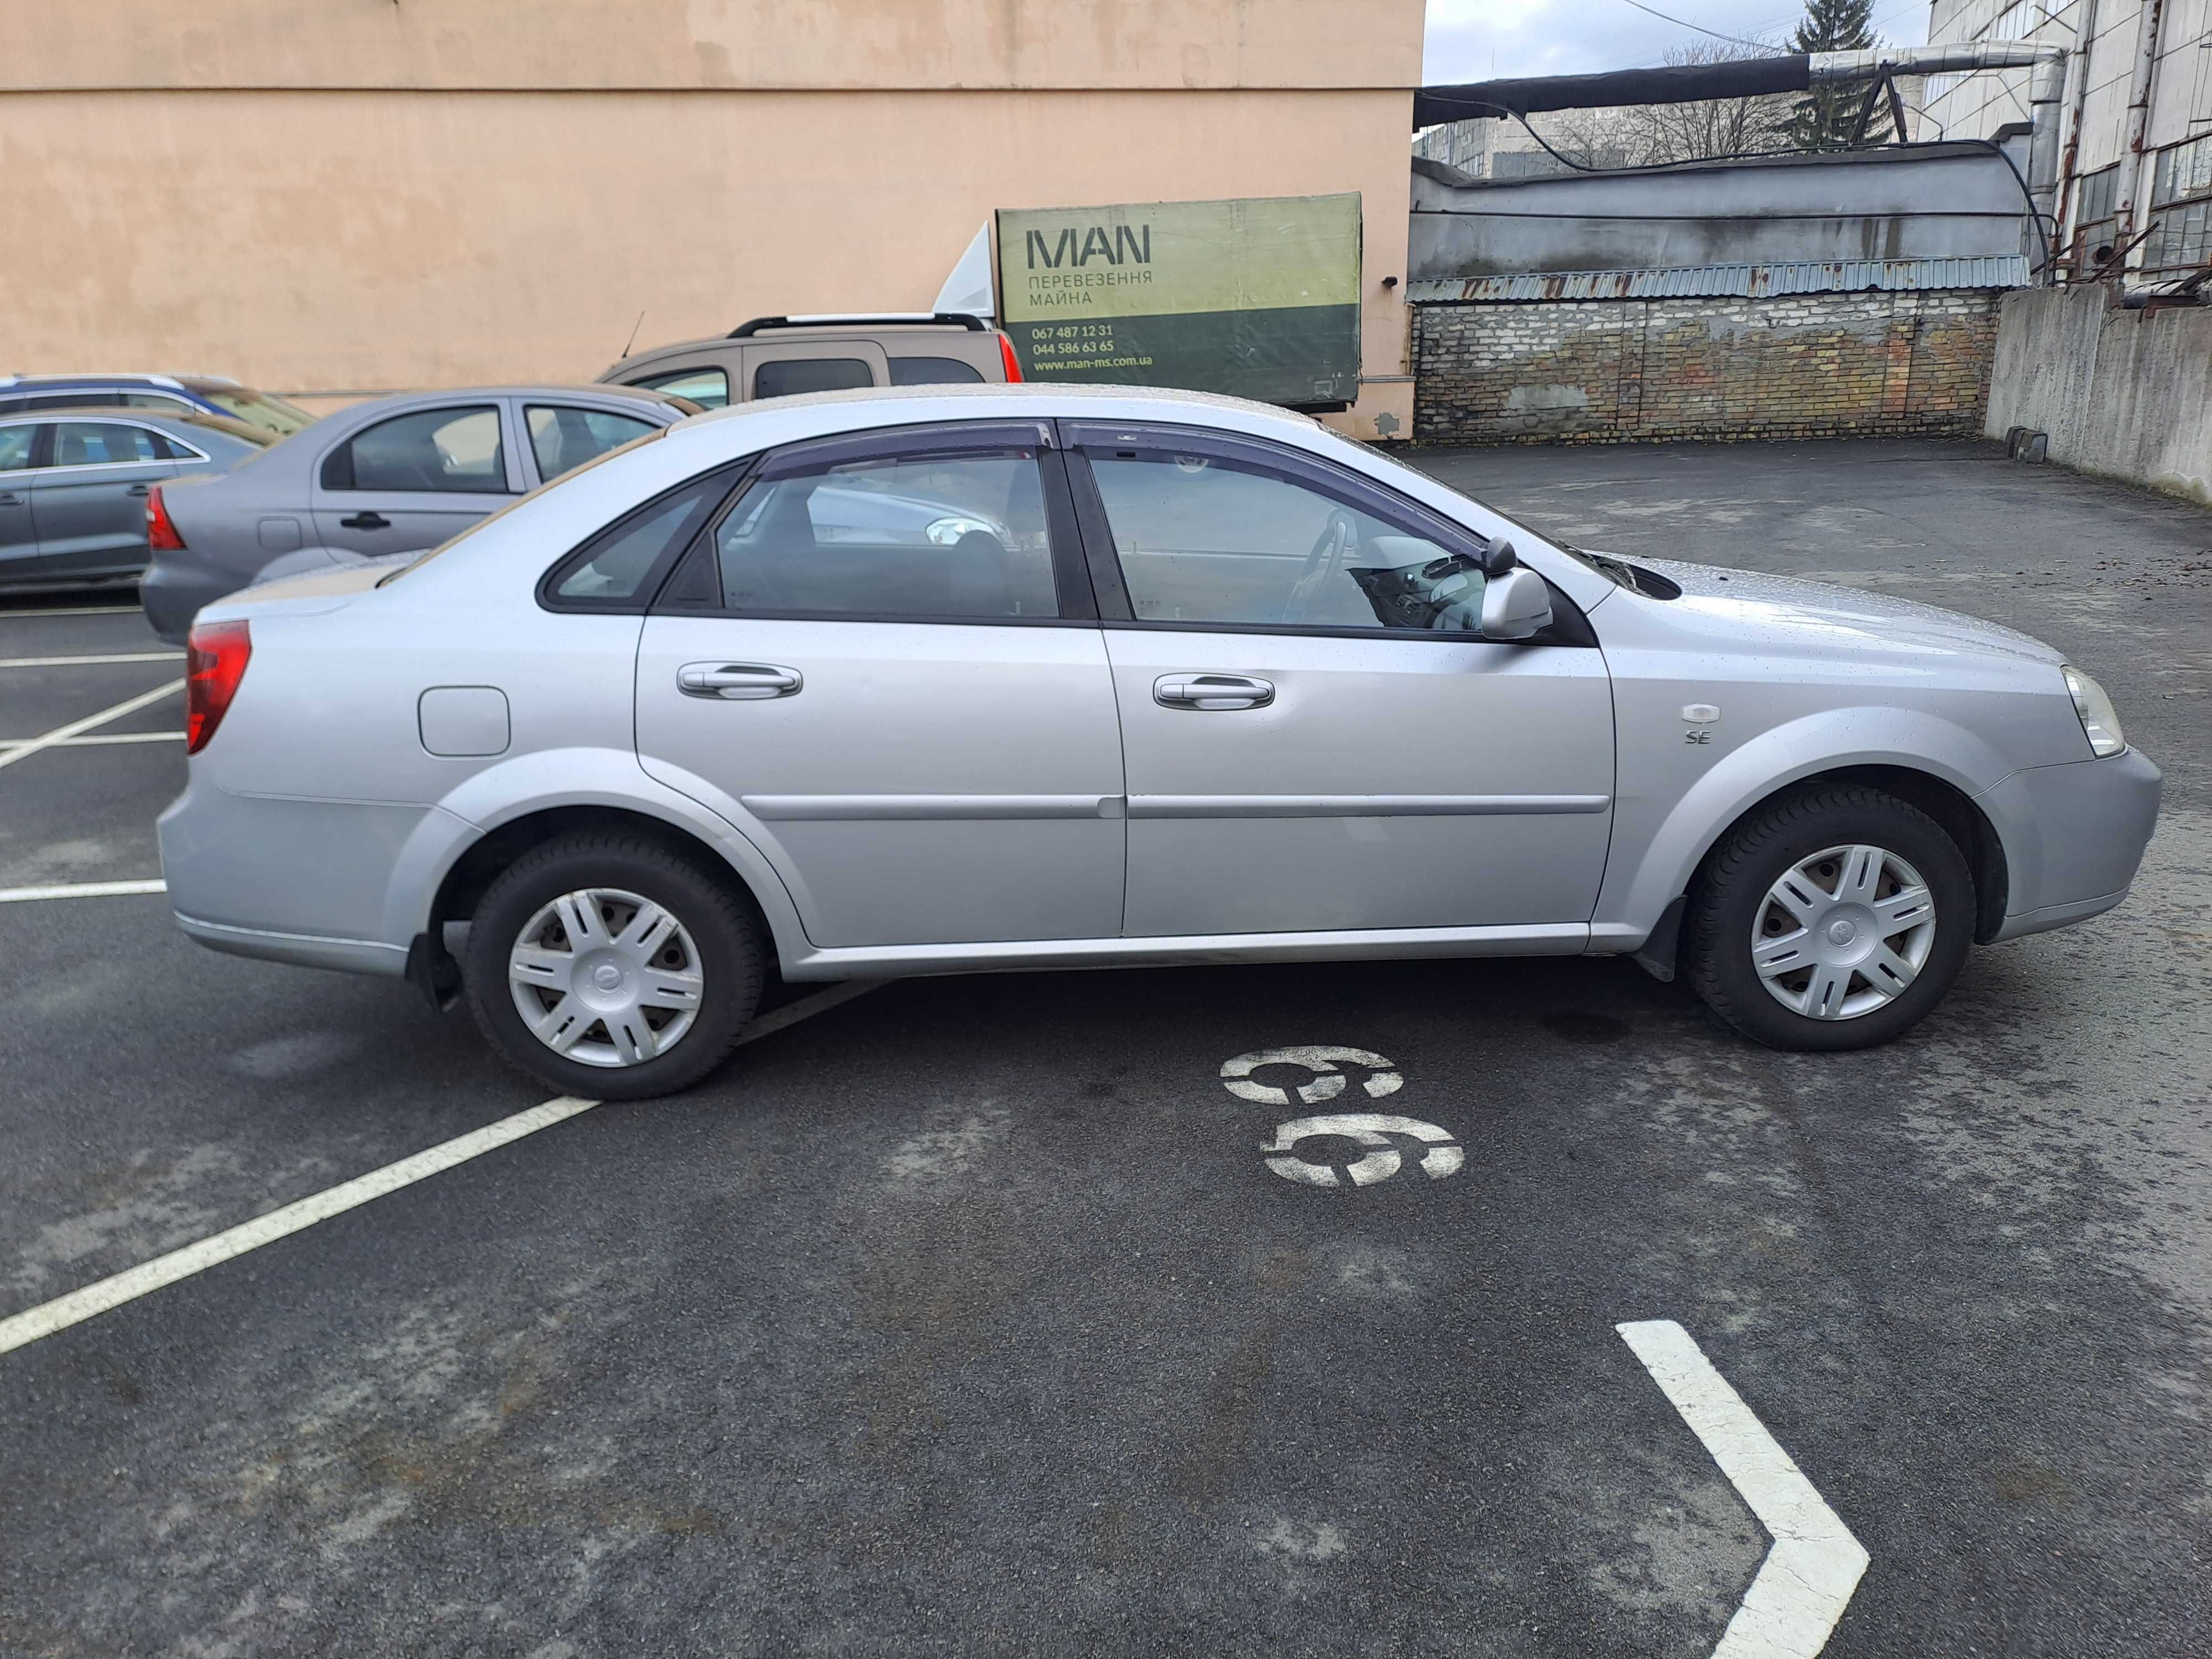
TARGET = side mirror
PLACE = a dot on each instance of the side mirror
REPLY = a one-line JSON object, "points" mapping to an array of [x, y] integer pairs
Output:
{"points": [[1496, 559], [1516, 605]]}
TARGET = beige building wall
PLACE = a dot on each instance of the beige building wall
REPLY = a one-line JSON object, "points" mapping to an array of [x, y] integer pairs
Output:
{"points": [[333, 197]]}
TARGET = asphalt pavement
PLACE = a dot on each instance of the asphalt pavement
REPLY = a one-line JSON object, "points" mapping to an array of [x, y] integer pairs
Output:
{"points": [[968, 1316]]}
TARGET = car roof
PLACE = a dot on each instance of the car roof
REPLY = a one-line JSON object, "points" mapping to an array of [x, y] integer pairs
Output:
{"points": [[127, 377], [539, 389], [199, 417], [1135, 402]]}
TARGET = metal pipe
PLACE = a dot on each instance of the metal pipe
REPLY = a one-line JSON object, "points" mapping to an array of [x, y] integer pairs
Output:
{"points": [[2045, 89], [2069, 161], [2128, 222]]}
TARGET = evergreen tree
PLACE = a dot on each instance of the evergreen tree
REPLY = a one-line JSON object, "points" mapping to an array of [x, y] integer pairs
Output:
{"points": [[1824, 117]]}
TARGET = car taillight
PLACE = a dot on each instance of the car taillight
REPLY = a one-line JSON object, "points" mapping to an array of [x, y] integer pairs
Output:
{"points": [[161, 533], [215, 661], [1006, 356]]}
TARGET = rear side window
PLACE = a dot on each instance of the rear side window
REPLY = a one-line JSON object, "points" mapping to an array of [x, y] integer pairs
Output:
{"points": [[440, 450], [932, 371], [16, 443], [161, 400], [960, 535], [624, 563], [786, 377], [563, 437], [74, 400], [87, 443], [169, 449], [709, 388]]}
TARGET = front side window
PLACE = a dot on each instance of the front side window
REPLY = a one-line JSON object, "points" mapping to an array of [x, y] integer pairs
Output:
{"points": [[1218, 539], [442, 450], [786, 377], [709, 388], [16, 443], [563, 437], [933, 535], [89, 443]]}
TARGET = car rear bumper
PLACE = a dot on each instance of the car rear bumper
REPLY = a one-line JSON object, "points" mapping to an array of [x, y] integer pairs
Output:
{"points": [[351, 956], [173, 593], [288, 879], [2073, 836]]}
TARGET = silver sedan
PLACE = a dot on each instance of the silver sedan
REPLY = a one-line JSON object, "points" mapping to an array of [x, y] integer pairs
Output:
{"points": [[880, 684], [393, 475]]}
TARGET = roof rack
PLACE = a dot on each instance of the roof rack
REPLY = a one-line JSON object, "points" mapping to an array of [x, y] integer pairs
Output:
{"points": [[828, 319]]}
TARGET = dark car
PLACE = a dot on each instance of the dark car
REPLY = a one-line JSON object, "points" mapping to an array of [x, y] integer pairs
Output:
{"points": [[173, 394], [74, 484], [393, 475]]}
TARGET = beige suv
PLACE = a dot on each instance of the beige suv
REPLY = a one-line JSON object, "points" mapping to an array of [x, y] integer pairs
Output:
{"points": [[779, 356]]}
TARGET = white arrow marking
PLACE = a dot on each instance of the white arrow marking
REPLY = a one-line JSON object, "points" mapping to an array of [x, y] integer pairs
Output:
{"points": [[1807, 1578]]}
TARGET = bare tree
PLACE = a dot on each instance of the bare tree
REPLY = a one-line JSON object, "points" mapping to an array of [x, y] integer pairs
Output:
{"points": [[1644, 135]]}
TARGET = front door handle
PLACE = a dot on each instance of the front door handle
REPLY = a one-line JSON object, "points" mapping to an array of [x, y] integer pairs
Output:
{"points": [[367, 521], [1211, 691], [738, 682]]}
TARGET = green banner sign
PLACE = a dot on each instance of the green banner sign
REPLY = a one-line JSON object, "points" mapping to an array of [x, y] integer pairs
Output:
{"points": [[1258, 298]]}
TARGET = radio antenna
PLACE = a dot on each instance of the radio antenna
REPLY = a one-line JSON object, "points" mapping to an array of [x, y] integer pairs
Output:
{"points": [[634, 328]]}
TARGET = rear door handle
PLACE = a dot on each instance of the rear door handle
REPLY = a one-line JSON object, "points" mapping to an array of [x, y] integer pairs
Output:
{"points": [[9, 498], [367, 521], [1211, 691], [738, 682], [136, 489]]}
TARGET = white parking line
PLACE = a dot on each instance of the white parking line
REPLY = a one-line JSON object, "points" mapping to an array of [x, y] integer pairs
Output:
{"points": [[20, 1329], [98, 739], [72, 611], [80, 890], [62, 734], [1806, 1581], [87, 662]]}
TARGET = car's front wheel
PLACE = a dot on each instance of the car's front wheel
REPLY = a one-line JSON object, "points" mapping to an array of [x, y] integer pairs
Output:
{"points": [[1836, 918], [608, 967]]}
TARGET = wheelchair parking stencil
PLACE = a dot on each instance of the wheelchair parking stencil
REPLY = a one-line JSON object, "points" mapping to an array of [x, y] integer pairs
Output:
{"points": [[1375, 1135], [1328, 1078], [1380, 1159]]}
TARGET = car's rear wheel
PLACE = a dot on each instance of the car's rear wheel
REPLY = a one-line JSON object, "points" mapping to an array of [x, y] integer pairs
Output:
{"points": [[608, 967], [1837, 918]]}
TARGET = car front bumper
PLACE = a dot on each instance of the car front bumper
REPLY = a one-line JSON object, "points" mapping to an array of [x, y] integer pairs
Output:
{"points": [[2074, 836]]}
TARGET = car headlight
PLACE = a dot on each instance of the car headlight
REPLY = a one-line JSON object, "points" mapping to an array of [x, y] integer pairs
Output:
{"points": [[946, 531], [2099, 720]]}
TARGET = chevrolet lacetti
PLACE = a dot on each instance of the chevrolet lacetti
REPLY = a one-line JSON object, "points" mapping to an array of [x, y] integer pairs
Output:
{"points": [[1104, 677]]}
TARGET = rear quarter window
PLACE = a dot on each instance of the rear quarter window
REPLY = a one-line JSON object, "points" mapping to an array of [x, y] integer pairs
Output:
{"points": [[933, 371]]}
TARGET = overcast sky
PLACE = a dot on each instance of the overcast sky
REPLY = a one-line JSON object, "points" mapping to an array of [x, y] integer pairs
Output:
{"points": [[1474, 40]]}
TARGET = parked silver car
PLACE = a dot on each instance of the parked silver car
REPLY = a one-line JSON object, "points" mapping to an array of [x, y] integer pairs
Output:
{"points": [[393, 475], [1200, 682], [74, 484]]}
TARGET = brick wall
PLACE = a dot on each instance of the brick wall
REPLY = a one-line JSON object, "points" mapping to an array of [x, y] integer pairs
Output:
{"points": [[1615, 371]]}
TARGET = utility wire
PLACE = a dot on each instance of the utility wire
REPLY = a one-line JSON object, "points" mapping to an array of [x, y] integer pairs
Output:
{"points": [[1684, 23]]}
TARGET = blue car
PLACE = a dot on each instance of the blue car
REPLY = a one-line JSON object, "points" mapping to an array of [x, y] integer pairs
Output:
{"points": [[173, 394]]}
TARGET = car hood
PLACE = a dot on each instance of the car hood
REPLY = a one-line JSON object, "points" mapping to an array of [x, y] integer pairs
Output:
{"points": [[1789, 608]]}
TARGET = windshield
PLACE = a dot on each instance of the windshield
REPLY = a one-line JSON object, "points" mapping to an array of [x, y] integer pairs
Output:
{"points": [[257, 409]]}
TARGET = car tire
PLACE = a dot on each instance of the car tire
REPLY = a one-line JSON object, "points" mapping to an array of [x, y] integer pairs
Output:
{"points": [[1741, 919], [714, 952]]}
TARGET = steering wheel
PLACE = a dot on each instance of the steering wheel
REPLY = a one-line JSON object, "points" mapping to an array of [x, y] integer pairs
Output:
{"points": [[1338, 537]]}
